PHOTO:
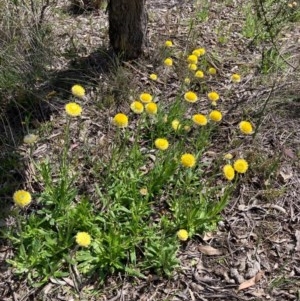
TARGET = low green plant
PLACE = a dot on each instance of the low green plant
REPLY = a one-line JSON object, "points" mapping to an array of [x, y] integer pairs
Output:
{"points": [[250, 27], [202, 10], [153, 183], [264, 22]]}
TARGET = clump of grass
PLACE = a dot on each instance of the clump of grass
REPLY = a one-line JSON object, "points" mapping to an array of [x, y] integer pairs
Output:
{"points": [[25, 39], [154, 190]]}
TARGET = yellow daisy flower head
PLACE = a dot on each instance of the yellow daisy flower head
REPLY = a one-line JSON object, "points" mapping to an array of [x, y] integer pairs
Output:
{"points": [[213, 96], [192, 67], [199, 74], [187, 128], [22, 198], [196, 52], [137, 107], [144, 191], [236, 78], [120, 120], [161, 143], [73, 109], [199, 119], [182, 235], [187, 81], [30, 138], [146, 97], [188, 160], [151, 108], [202, 51], [78, 91], [192, 59], [240, 165], [176, 125], [246, 127], [190, 97], [228, 156], [228, 172], [83, 239], [215, 115], [212, 71], [153, 76], [168, 62], [168, 43]]}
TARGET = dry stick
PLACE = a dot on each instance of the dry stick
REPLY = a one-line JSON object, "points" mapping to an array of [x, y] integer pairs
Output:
{"points": [[260, 114], [272, 36]]}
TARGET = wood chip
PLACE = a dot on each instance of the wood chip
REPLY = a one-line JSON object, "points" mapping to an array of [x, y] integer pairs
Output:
{"points": [[252, 281], [297, 235], [208, 250]]}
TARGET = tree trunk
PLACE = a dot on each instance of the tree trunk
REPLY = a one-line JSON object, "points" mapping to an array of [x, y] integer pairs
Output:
{"points": [[127, 27]]}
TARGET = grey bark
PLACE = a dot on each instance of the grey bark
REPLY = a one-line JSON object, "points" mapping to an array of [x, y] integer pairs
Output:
{"points": [[127, 27]]}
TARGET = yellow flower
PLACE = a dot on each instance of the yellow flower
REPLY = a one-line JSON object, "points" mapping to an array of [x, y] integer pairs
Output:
{"points": [[83, 239], [212, 71], [168, 62], [30, 138], [187, 81], [121, 120], [196, 52], [168, 43], [199, 119], [151, 108], [228, 172], [190, 96], [192, 67], [213, 96], [153, 76], [176, 124], [246, 127], [228, 156], [144, 191], [201, 51], [199, 74], [146, 97], [137, 107], [78, 91], [192, 59], [161, 143], [73, 109], [187, 128], [188, 160], [22, 198], [240, 165], [236, 78], [182, 235], [215, 115]]}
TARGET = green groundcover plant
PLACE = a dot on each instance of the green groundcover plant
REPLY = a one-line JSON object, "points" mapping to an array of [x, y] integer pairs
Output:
{"points": [[155, 190]]}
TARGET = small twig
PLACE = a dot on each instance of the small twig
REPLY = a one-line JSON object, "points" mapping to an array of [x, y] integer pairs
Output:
{"points": [[260, 114]]}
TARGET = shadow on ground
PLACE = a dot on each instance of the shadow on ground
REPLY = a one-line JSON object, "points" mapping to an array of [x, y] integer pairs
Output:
{"points": [[24, 113]]}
